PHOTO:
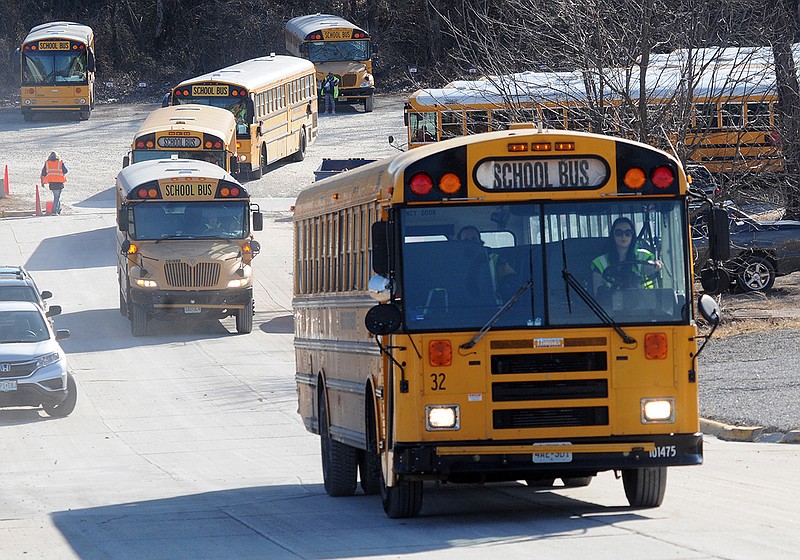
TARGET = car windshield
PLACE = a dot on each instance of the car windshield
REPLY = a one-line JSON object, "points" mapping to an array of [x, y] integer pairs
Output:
{"points": [[18, 293], [192, 220], [22, 326], [461, 264]]}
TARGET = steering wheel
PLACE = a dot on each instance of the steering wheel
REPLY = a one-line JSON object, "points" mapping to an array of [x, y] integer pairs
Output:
{"points": [[630, 274]]}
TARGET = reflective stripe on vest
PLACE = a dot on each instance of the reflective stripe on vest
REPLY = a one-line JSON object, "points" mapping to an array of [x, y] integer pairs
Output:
{"points": [[54, 172], [641, 255]]}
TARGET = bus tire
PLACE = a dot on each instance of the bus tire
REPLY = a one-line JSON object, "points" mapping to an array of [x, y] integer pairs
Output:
{"points": [[369, 104], [404, 499], [645, 487], [138, 320], [300, 154], [339, 461], [369, 460], [244, 318], [123, 305], [255, 173], [85, 114]]}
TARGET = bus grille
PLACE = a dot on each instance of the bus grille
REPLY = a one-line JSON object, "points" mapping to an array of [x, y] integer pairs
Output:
{"points": [[183, 275], [549, 362], [550, 390], [550, 417], [349, 80]]}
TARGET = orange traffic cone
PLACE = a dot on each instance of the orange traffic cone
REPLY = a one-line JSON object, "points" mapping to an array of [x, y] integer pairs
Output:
{"points": [[38, 202]]}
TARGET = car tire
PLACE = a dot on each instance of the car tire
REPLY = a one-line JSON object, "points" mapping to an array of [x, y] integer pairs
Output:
{"points": [[64, 408], [756, 274]]}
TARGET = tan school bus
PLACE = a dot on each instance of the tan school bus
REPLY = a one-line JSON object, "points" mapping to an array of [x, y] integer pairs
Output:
{"points": [[274, 101], [335, 45], [185, 243], [56, 65], [199, 132], [498, 351]]}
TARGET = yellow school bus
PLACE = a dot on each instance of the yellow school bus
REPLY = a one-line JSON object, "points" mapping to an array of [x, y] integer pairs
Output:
{"points": [[335, 45], [726, 121], [274, 102], [198, 132], [185, 243], [498, 351], [56, 66]]}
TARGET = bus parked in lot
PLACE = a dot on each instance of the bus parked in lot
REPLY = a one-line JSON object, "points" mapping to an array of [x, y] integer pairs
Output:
{"points": [[201, 132], [335, 45], [496, 356], [56, 65], [274, 102], [726, 121], [185, 243]]}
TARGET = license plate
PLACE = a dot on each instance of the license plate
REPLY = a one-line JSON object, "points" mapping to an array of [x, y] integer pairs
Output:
{"points": [[8, 385], [191, 310], [552, 456]]}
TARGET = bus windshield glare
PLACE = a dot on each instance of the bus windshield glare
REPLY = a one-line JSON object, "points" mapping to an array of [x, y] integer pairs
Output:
{"points": [[192, 220], [338, 51], [54, 67], [216, 157], [639, 278]]}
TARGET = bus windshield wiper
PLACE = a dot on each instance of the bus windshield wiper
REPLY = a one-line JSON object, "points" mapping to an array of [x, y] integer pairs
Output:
{"points": [[502, 311], [571, 282]]}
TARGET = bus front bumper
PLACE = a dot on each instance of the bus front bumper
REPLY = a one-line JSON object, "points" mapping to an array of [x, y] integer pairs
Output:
{"points": [[354, 94], [182, 299], [505, 461]]}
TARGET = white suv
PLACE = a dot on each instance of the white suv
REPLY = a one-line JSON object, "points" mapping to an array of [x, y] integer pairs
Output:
{"points": [[33, 366]]}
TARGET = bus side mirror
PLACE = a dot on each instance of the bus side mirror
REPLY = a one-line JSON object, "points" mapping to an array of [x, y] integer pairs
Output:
{"points": [[383, 319], [126, 161], [91, 64], [719, 234], [233, 164], [166, 101], [709, 309], [258, 221], [15, 62], [126, 245], [380, 248], [122, 223]]}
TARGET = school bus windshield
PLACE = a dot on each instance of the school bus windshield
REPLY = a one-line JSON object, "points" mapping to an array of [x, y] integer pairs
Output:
{"points": [[189, 220], [215, 157], [338, 51], [53, 67], [538, 242]]}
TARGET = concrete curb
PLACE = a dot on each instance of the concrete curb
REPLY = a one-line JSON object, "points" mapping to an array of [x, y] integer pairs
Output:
{"points": [[743, 433]]}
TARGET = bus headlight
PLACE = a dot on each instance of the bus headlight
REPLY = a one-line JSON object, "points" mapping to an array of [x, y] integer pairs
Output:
{"points": [[145, 283], [658, 411], [238, 282], [442, 417]]}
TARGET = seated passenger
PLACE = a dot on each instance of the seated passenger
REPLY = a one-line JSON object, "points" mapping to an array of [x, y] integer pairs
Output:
{"points": [[500, 269], [624, 264]]}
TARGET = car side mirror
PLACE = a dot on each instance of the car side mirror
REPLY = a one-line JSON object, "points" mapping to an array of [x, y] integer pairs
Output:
{"points": [[61, 334], [53, 310], [46, 294]]}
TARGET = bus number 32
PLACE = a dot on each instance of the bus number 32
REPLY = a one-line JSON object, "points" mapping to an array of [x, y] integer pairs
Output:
{"points": [[437, 382]]}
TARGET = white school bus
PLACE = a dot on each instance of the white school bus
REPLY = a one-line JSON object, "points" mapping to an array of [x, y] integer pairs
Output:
{"points": [[502, 355], [56, 65], [199, 132], [335, 45], [185, 243], [274, 101]]}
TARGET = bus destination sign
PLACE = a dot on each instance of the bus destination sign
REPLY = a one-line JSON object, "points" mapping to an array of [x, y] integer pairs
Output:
{"points": [[525, 174], [178, 142], [337, 34], [210, 90], [54, 45], [203, 189]]}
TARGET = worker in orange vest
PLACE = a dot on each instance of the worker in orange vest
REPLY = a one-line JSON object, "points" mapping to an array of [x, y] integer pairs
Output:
{"points": [[54, 175]]}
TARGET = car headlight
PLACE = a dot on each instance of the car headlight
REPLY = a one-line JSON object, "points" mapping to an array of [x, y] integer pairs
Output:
{"points": [[442, 417], [660, 411], [47, 359], [145, 283]]}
